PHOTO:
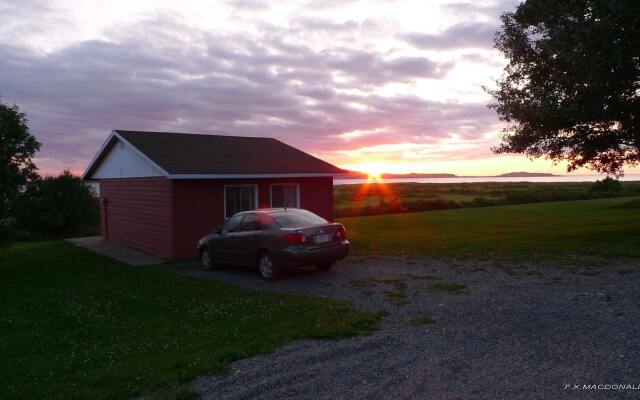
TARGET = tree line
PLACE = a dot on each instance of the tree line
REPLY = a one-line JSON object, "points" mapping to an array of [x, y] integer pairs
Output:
{"points": [[33, 206]]}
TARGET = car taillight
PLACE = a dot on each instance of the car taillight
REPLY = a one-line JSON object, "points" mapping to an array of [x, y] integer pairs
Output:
{"points": [[295, 238], [342, 233]]}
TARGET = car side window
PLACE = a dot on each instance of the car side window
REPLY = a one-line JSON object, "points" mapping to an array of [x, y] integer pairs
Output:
{"points": [[233, 224], [252, 222]]}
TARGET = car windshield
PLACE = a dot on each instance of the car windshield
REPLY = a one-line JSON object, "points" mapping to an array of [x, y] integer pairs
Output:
{"points": [[296, 219]]}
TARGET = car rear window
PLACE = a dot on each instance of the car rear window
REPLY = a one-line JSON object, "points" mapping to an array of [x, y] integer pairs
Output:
{"points": [[296, 219]]}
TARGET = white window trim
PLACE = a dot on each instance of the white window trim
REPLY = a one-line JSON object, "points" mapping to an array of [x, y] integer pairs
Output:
{"points": [[285, 183], [224, 199]]}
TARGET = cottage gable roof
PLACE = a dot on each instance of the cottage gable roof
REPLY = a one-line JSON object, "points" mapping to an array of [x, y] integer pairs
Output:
{"points": [[192, 156]]}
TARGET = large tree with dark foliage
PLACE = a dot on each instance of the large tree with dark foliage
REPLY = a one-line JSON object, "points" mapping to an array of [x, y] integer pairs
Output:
{"points": [[17, 148], [17, 169], [571, 89]]}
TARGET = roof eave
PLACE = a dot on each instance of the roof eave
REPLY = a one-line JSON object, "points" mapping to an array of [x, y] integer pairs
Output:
{"points": [[95, 162], [257, 176]]}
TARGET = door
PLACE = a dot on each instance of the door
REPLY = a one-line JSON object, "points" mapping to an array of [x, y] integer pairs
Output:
{"points": [[248, 239], [223, 245]]}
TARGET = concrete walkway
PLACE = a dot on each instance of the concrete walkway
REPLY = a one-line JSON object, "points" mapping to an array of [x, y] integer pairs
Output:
{"points": [[116, 251]]}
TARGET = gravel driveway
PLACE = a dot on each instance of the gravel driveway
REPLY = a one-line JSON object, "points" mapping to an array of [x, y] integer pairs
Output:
{"points": [[454, 330]]}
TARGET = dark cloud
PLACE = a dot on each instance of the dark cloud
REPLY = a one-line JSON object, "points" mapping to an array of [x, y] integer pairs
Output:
{"points": [[248, 4], [324, 24], [490, 10], [462, 35], [194, 80], [325, 4]]}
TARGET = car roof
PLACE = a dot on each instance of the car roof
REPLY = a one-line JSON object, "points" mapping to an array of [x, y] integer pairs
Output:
{"points": [[272, 210], [279, 209]]}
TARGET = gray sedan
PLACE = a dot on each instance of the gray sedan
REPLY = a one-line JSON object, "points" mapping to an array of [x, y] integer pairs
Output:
{"points": [[273, 240]]}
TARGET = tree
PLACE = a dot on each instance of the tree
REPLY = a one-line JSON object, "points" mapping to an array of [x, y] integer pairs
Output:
{"points": [[607, 184], [571, 88], [58, 205], [17, 148]]}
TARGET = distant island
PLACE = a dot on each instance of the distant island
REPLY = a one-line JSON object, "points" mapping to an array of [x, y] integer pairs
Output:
{"points": [[417, 175], [525, 174], [520, 174], [364, 175]]}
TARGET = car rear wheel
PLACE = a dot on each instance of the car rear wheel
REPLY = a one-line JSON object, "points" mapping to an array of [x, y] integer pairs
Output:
{"points": [[267, 267], [208, 264], [324, 267]]}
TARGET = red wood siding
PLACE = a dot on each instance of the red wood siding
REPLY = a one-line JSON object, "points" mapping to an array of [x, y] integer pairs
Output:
{"points": [[316, 195], [138, 212], [199, 208], [199, 205]]}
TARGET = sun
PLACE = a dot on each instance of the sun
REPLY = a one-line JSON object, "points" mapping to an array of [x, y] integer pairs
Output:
{"points": [[374, 174], [374, 170]]}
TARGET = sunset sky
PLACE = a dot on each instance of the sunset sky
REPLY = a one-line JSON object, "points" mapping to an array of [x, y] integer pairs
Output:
{"points": [[392, 86]]}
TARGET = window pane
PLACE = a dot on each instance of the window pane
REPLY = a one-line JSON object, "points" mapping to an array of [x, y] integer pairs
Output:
{"points": [[284, 195], [297, 219], [290, 196], [277, 196], [251, 222], [233, 224], [239, 198]]}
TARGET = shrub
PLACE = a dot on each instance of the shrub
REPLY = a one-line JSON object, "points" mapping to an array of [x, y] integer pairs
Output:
{"points": [[608, 184], [7, 231], [58, 206]]}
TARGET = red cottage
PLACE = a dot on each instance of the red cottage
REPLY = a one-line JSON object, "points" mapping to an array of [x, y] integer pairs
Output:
{"points": [[161, 192]]}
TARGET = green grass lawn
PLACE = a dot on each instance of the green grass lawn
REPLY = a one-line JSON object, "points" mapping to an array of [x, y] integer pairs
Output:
{"points": [[75, 325], [608, 227], [370, 199]]}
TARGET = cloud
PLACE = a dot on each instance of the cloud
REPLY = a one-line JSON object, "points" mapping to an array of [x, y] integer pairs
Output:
{"points": [[324, 24], [248, 4], [461, 35], [25, 19], [489, 10], [161, 74]]}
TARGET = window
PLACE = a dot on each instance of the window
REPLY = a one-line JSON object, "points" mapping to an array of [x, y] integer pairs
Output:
{"points": [[252, 222], [239, 198], [285, 195], [233, 224], [297, 219]]}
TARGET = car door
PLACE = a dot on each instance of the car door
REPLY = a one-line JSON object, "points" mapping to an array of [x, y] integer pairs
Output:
{"points": [[248, 239], [224, 244]]}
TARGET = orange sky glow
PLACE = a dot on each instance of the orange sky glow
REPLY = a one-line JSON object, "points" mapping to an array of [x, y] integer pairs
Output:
{"points": [[379, 86]]}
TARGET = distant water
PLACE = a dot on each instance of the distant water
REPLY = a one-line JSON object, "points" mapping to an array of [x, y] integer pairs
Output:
{"points": [[470, 179]]}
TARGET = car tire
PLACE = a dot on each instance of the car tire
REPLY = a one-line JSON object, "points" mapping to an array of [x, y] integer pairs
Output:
{"points": [[206, 260], [324, 267], [267, 268]]}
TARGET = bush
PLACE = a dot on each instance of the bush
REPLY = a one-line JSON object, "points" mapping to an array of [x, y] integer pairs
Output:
{"points": [[7, 231], [608, 184], [58, 206]]}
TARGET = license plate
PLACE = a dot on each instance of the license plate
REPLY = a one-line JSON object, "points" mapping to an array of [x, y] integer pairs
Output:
{"points": [[317, 239]]}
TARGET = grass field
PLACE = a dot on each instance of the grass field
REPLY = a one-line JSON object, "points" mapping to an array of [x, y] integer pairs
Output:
{"points": [[608, 227], [75, 325], [372, 199]]}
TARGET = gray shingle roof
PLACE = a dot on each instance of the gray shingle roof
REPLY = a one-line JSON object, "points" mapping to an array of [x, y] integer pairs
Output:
{"points": [[187, 153]]}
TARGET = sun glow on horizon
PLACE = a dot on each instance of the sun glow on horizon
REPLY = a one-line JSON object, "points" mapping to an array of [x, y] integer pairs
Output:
{"points": [[374, 170]]}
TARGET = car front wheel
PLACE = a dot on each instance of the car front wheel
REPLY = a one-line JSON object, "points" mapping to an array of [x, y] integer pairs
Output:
{"points": [[268, 269], [206, 260]]}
